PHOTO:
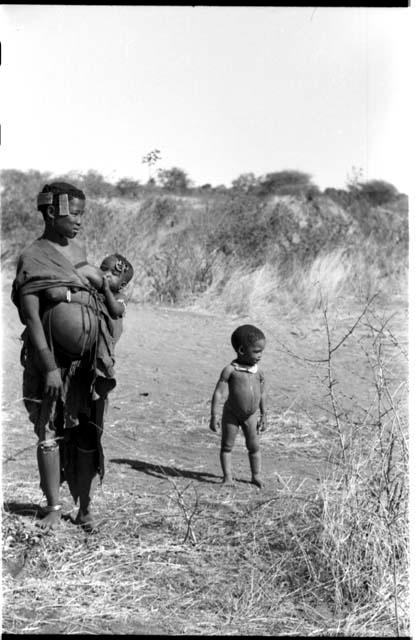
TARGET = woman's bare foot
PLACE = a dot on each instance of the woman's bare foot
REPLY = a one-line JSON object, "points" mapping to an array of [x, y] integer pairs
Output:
{"points": [[50, 520], [228, 481], [86, 520], [257, 481]]}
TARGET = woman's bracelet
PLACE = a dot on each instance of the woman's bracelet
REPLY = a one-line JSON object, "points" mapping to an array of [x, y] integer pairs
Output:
{"points": [[68, 295], [47, 360]]}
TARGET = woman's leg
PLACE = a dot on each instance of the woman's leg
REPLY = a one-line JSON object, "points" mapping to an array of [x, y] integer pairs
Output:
{"points": [[229, 431], [86, 471], [252, 444], [42, 415], [48, 461]]}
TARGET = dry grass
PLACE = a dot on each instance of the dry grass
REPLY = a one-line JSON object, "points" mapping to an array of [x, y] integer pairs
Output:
{"points": [[254, 568], [238, 290], [188, 251], [327, 556]]}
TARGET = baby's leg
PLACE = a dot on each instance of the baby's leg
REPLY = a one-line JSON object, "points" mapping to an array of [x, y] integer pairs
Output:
{"points": [[252, 444], [229, 430]]}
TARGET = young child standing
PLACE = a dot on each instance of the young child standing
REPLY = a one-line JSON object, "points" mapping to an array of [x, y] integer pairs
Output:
{"points": [[246, 394]]}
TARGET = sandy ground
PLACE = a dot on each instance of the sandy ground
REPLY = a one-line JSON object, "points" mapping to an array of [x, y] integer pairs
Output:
{"points": [[157, 426], [168, 362]]}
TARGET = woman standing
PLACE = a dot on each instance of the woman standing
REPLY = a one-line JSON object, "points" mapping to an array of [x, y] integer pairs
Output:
{"points": [[59, 391]]}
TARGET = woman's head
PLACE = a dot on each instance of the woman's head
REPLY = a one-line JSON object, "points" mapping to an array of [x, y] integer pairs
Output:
{"points": [[62, 206], [58, 195]]}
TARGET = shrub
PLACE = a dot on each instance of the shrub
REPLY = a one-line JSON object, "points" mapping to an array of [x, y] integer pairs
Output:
{"points": [[377, 192], [178, 271], [245, 183], [287, 182], [237, 227], [385, 226], [174, 180], [126, 188], [95, 186], [339, 196]]}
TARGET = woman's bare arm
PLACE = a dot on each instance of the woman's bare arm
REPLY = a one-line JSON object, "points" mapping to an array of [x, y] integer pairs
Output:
{"points": [[29, 305]]}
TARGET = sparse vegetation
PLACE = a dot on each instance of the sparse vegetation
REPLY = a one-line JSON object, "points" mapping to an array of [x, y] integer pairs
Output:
{"points": [[185, 241], [322, 555], [328, 555]]}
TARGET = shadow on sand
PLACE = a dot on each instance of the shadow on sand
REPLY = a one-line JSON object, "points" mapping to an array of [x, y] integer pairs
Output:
{"points": [[161, 471], [29, 509], [22, 508]]}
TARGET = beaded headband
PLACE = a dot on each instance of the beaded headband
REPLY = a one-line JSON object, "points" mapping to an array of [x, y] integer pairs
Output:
{"points": [[47, 198]]}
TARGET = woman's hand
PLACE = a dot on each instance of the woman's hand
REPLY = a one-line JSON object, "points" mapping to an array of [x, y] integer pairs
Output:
{"points": [[53, 384]]}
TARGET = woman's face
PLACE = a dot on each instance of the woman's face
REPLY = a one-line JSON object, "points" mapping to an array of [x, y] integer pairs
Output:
{"points": [[70, 225]]}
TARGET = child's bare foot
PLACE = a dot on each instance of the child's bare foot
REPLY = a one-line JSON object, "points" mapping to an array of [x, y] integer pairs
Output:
{"points": [[86, 520], [50, 520], [256, 480], [228, 481]]}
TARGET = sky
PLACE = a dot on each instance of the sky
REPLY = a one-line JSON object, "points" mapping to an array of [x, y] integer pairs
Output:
{"points": [[220, 91]]}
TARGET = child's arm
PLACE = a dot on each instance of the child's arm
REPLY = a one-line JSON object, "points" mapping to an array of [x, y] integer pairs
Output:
{"points": [[262, 422], [115, 307], [218, 394]]}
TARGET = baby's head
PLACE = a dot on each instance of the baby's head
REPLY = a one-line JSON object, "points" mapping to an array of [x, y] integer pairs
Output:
{"points": [[121, 271], [249, 343]]}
